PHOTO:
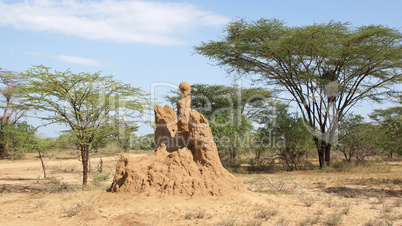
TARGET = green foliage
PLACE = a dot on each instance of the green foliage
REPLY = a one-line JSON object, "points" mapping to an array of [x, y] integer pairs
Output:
{"points": [[11, 106], [85, 102], [390, 129], [230, 111], [89, 104], [145, 142], [210, 100], [357, 139], [19, 137], [66, 140], [327, 68], [286, 135], [230, 131]]}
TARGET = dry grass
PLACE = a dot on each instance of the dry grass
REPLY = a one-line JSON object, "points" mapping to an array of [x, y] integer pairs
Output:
{"points": [[266, 213], [281, 184], [252, 222], [281, 221], [197, 213], [345, 210], [82, 201], [310, 221], [308, 200], [284, 198], [398, 202], [334, 219], [227, 221], [378, 222], [329, 202]]}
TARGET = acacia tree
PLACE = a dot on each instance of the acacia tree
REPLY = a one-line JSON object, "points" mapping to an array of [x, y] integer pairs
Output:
{"points": [[87, 103], [390, 128], [326, 68], [288, 137], [357, 139], [12, 108]]}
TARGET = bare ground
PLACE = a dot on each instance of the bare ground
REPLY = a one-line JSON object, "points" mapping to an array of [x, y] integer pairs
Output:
{"points": [[365, 196]]}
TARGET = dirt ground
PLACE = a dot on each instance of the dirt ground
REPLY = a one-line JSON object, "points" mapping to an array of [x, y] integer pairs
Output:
{"points": [[365, 196]]}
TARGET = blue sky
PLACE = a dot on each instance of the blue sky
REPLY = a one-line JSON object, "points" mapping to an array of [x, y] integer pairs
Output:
{"points": [[150, 42]]}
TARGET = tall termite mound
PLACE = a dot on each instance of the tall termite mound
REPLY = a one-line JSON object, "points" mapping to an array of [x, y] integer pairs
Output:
{"points": [[185, 161]]}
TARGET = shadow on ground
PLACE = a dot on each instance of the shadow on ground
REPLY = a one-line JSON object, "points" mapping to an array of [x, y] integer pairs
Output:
{"points": [[33, 186]]}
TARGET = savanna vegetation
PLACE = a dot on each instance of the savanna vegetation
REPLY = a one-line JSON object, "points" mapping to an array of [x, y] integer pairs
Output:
{"points": [[326, 68], [310, 144]]}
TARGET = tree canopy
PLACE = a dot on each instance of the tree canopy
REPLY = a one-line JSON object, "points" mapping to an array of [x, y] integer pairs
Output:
{"points": [[210, 100], [390, 122], [327, 68], [87, 103]]}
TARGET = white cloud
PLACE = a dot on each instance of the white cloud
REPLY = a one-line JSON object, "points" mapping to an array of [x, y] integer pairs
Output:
{"points": [[137, 21], [79, 60]]}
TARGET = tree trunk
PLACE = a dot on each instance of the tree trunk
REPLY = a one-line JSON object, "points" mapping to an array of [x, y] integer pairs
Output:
{"points": [[2, 151], [85, 160], [233, 153], [3, 147], [43, 164], [320, 152], [328, 153], [324, 151]]}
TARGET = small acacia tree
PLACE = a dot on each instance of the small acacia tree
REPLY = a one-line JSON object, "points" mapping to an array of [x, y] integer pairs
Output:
{"points": [[288, 137], [357, 139], [19, 137], [327, 68], [87, 103], [389, 122]]}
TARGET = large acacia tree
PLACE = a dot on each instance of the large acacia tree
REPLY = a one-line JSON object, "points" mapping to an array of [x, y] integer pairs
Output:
{"points": [[327, 68], [87, 103]]}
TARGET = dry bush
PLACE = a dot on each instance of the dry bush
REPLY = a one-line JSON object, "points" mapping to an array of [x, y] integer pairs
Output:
{"points": [[308, 200], [333, 219], [365, 167], [227, 221], [197, 213], [329, 202], [378, 222], [82, 201], [72, 210], [266, 213], [398, 202], [310, 221], [252, 222], [386, 208], [320, 212], [40, 204], [56, 186], [272, 186], [345, 210], [281, 221], [381, 198]]}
